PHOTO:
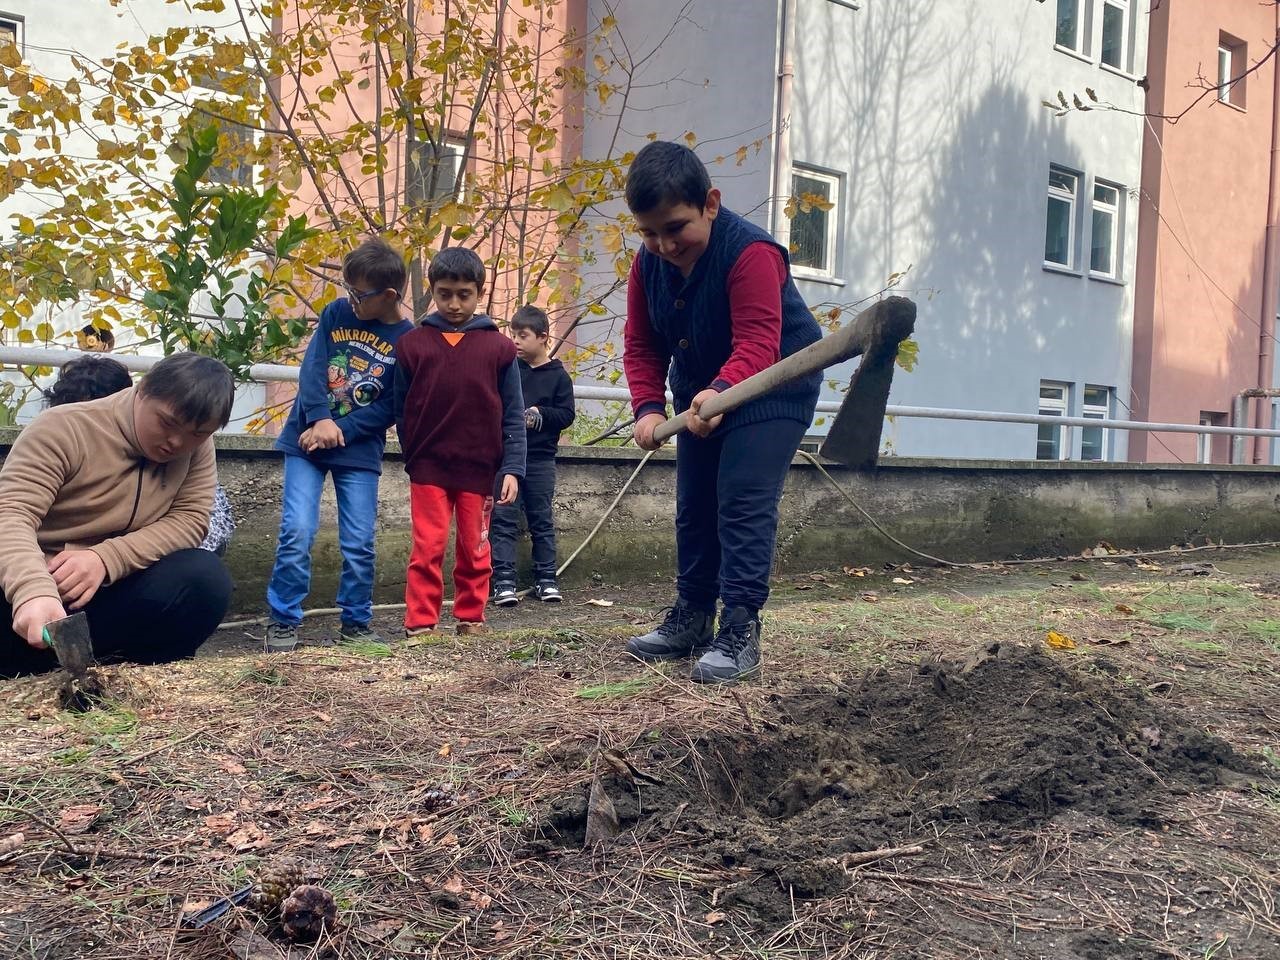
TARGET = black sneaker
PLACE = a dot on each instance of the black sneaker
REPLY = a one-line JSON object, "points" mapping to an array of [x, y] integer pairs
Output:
{"points": [[684, 632], [359, 633], [281, 637], [504, 594], [547, 591], [734, 653]]}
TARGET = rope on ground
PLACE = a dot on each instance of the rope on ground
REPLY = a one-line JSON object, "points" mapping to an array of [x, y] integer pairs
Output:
{"points": [[1257, 544], [388, 607]]}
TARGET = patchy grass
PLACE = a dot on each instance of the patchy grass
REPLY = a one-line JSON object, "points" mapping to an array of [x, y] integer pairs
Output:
{"points": [[408, 772]]}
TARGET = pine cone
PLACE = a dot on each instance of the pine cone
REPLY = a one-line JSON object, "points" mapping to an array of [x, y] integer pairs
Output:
{"points": [[308, 912], [276, 881], [434, 800]]}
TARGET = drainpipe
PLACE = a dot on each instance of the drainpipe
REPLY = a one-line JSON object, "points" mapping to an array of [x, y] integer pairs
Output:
{"points": [[1270, 265], [1239, 418], [780, 190]]}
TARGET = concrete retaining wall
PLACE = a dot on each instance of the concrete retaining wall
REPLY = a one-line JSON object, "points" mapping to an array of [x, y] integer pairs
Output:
{"points": [[957, 509]]}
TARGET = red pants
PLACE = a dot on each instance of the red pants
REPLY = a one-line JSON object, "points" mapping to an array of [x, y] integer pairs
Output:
{"points": [[432, 509]]}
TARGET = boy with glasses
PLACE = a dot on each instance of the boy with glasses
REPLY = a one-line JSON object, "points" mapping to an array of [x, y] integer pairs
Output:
{"points": [[338, 425]]}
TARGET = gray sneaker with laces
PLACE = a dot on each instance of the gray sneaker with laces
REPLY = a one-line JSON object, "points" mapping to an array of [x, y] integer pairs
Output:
{"points": [[359, 633], [281, 637], [735, 651]]}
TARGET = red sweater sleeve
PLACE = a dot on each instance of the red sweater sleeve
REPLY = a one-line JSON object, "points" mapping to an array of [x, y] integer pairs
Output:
{"points": [[755, 313], [644, 360]]}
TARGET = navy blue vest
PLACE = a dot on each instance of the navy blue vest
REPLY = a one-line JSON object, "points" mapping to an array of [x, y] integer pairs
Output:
{"points": [[690, 318]]}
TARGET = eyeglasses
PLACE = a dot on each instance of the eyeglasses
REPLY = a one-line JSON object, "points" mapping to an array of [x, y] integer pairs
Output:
{"points": [[355, 296]]}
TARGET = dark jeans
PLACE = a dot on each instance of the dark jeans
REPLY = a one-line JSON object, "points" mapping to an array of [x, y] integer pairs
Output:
{"points": [[159, 614], [537, 491], [727, 491]]}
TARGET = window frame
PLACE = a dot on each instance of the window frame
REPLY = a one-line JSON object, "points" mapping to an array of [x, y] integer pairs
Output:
{"points": [[1116, 211], [1049, 407], [1233, 93], [1071, 198], [1081, 47], [19, 23], [1096, 411], [1126, 14], [835, 182], [458, 148]]}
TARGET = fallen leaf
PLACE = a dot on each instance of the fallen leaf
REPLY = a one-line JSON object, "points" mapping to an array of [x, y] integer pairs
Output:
{"points": [[248, 837], [1109, 641], [340, 842], [717, 916], [453, 885], [1160, 686], [445, 750], [804, 586], [1124, 608], [11, 843], [1078, 577], [481, 901], [234, 767], [903, 581], [870, 597], [1059, 641], [599, 603], [79, 818], [500, 932], [857, 571], [322, 716], [220, 823]]}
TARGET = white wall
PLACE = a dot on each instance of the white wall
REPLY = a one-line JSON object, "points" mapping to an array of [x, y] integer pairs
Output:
{"points": [[931, 112]]}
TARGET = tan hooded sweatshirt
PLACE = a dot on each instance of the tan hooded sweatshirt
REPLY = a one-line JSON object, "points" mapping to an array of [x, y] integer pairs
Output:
{"points": [[76, 479]]}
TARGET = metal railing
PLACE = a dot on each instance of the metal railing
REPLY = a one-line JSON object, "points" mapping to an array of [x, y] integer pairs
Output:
{"points": [[280, 373]]}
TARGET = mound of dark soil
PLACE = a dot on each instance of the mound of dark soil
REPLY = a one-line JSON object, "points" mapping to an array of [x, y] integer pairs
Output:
{"points": [[1008, 739]]}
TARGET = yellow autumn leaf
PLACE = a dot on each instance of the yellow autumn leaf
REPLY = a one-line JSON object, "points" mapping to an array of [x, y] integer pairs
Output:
{"points": [[691, 139], [1059, 641]]}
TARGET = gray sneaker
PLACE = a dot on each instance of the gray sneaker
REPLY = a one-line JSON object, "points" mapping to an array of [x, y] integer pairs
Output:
{"points": [[734, 653], [359, 633], [683, 632], [281, 637]]}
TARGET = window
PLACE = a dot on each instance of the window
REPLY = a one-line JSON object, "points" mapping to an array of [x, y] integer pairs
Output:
{"points": [[1052, 441], [220, 92], [1213, 447], [1115, 33], [1096, 406], [1070, 32], [11, 29], [814, 210], [1059, 240], [434, 170], [1232, 60], [1106, 229]]}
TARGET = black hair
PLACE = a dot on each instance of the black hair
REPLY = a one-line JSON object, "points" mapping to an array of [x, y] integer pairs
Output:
{"points": [[88, 378], [666, 173], [103, 335], [457, 263], [532, 318], [376, 263], [199, 389]]}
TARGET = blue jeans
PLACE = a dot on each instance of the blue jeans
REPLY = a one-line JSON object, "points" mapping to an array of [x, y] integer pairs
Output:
{"points": [[357, 492], [727, 491]]}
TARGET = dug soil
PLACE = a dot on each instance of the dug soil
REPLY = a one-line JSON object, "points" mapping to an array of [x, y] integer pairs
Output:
{"points": [[1002, 742]]}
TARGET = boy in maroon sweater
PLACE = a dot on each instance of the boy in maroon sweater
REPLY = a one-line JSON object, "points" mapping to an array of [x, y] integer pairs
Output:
{"points": [[460, 417]]}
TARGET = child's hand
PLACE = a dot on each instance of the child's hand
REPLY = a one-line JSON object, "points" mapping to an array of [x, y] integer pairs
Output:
{"points": [[325, 435], [697, 426], [510, 488], [643, 430], [306, 441], [533, 419]]}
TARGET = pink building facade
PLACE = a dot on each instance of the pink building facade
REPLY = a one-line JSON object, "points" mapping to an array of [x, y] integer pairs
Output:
{"points": [[1203, 324]]}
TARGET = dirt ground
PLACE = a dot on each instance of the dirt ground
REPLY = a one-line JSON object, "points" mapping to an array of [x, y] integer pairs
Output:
{"points": [[1076, 761]]}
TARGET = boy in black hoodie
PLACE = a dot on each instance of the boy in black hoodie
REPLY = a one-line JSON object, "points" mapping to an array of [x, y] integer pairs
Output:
{"points": [[548, 398]]}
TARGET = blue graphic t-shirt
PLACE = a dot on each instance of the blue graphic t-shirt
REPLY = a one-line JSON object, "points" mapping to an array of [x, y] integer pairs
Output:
{"points": [[347, 376]]}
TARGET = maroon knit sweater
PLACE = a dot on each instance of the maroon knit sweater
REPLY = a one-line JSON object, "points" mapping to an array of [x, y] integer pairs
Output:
{"points": [[450, 404]]}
